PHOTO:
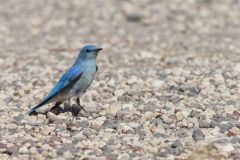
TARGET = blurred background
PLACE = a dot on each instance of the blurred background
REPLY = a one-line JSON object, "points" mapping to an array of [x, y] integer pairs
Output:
{"points": [[168, 56]]}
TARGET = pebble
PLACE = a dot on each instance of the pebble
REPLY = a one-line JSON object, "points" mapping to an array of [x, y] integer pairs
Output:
{"points": [[194, 113], [177, 147], [205, 123], [166, 120], [198, 135], [191, 89], [61, 118], [226, 125], [228, 148], [23, 150], [124, 156], [67, 147], [179, 116], [124, 128], [98, 122], [114, 108], [157, 84]]}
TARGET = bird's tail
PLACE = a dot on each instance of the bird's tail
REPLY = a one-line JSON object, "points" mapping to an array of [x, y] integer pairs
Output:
{"points": [[32, 110]]}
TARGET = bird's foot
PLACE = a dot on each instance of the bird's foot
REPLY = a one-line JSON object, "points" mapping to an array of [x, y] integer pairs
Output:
{"points": [[81, 107]]}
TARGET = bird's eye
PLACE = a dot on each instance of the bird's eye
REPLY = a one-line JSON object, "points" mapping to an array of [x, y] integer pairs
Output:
{"points": [[88, 50]]}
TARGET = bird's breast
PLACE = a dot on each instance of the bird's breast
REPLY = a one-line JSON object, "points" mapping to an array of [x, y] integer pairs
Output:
{"points": [[84, 82]]}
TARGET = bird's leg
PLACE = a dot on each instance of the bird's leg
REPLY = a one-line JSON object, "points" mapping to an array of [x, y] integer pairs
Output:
{"points": [[69, 105], [78, 103], [69, 102]]}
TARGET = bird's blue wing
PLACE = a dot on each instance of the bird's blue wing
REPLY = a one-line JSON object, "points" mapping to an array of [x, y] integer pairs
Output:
{"points": [[68, 80]]}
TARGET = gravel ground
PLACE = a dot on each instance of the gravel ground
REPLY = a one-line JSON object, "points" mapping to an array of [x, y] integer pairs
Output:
{"points": [[168, 85]]}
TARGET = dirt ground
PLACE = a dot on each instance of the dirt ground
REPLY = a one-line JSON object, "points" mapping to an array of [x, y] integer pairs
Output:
{"points": [[167, 87]]}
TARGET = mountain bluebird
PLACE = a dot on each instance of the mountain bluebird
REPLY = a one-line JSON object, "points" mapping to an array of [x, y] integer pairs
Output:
{"points": [[75, 80]]}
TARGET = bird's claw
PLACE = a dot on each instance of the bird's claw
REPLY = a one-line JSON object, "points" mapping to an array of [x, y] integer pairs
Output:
{"points": [[81, 108]]}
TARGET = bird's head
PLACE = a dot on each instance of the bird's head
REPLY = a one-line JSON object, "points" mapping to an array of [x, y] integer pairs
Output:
{"points": [[89, 52]]}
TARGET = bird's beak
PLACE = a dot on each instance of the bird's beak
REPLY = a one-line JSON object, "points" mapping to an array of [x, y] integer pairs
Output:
{"points": [[98, 49]]}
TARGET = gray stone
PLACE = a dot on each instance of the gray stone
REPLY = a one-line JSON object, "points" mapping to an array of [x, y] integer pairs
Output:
{"points": [[182, 133], [106, 150], [159, 135], [134, 17], [166, 119], [174, 99], [198, 135], [204, 123], [235, 140], [190, 89], [84, 124], [213, 124], [13, 151], [194, 113], [66, 147], [226, 125], [61, 127], [19, 117], [176, 148]]}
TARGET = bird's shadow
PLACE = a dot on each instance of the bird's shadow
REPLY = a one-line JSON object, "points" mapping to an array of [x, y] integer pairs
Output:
{"points": [[74, 109]]}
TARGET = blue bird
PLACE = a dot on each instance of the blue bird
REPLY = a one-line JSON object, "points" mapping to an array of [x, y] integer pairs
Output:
{"points": [[75, 80]]}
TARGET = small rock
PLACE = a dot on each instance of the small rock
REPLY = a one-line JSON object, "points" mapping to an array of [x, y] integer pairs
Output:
{"points": [[133, 14], [119, 92], [34, 121], [61, 127], [98, 122], [195, 114], [166, 120], [174, 99], [157, 83], [61, 118], [134, 17], [110, 122], [182, 133], [191, 89], [176, 148], [237, 68], [84, 124], [67, 147], [19, 117], [106, 150], [235, 140], [226, 125], [12, 126], [124, 128], [140, 131], [92, 107], [204, 123], [33, 151], [13, 150], [159, 135], [23, 150], [128, 106], [228, 148], [198, 135], [133, 124], [213, 124], [114, 108], [68, 155], [124, 156], [179, 116]]}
